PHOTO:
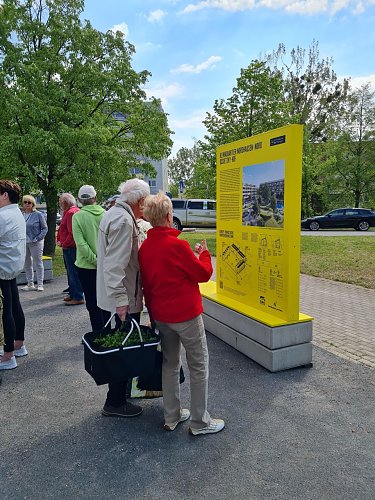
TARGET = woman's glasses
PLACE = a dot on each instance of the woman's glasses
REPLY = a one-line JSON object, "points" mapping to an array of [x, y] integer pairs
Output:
{"points": [[27, 202]]}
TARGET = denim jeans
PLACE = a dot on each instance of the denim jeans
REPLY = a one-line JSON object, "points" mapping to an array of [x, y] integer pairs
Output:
{"points": [[75, 288], [98, 317]]}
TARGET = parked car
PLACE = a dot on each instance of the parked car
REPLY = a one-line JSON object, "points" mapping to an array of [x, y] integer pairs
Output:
{"points": [[58, 216], [193, 213], [358, 218]]}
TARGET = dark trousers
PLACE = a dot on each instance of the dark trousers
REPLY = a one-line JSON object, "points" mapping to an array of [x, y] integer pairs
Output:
{"points": [[116, 395], [75, 288], [98, 317], [13, 317]]}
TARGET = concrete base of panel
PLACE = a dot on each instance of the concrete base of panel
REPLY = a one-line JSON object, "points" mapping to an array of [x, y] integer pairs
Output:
{"points": [[48, 272], [275, 348]]}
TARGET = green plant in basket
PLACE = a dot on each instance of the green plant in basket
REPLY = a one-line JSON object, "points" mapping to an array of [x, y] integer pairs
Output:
{"points": [[116, 339]]}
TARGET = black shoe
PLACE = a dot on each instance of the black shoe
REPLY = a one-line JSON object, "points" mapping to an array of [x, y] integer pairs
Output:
{"points": [[126, 410], [66, 290]]}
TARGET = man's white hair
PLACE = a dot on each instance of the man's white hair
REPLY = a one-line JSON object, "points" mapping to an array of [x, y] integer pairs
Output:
{"points": [[133, 190], [69, 199]]}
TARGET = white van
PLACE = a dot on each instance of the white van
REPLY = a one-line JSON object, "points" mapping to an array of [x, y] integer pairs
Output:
{"points": [[193, 213]]}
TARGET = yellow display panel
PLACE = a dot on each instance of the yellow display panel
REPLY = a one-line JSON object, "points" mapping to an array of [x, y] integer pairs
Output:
{"points": [[258, 225]]}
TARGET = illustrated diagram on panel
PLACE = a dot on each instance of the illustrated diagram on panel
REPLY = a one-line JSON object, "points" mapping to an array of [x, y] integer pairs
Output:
{"points": [[235, 261]]}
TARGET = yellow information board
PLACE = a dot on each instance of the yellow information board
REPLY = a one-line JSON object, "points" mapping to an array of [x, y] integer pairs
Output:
{"points": [[258, 225]]}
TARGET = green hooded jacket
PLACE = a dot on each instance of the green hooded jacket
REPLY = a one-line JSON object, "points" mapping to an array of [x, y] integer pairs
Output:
{"points": [[85, 233]]}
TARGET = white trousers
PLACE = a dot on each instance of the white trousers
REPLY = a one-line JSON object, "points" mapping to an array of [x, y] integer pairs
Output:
{"points": [[34, 253], [191, 334]]}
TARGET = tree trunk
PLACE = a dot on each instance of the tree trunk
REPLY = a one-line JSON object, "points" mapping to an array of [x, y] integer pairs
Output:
{"points": [[50, 240], [357, 195]]}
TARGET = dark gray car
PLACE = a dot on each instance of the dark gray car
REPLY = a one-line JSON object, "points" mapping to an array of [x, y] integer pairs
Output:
{"points": [[360, 219]]}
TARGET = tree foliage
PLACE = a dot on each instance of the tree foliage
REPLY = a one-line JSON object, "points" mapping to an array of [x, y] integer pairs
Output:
{"points": [[256, 105], [316, 100], [180, 167], [311, 87], [63, 86], [299, 87], [197, 174], [202, 183], [354, 169]]}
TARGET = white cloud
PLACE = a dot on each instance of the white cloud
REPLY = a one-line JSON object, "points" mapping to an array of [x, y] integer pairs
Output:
{"points": [[292, 6], [189, 68], [188, 129], [165, 92], [123, 27], [156, 16], [359, 8], [358, 81], [302, 6], [194, 121]]}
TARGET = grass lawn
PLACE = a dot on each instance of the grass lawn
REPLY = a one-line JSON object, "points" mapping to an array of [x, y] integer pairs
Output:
{"points": [[58, 262], [350, 259]]}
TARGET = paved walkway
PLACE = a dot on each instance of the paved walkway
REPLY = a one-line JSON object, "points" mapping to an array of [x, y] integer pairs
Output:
{"points": [[344, 318], [297, 434], [344, 321]]}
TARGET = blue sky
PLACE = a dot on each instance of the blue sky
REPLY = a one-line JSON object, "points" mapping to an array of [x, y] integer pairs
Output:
{"points": [[195, 49], [264, 172]]}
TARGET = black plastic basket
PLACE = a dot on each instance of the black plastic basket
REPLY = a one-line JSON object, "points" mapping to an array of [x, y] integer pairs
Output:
{"points": [[119, 364]]}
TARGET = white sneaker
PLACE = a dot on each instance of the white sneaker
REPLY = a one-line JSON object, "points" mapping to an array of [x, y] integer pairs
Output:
{"points": [[28, 287], [9, 364], [22, 351], [215, 425], [40, 288], [184, 415]]}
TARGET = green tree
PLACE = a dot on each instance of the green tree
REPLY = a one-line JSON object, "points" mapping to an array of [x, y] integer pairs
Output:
{"points": [[202, 183], [180, 167], [264, 193], [317, 100], [312, 89], [63, 85], [256, 105], [354, 170]]}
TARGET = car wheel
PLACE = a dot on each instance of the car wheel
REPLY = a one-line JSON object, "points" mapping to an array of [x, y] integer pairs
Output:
{"points": [[314, 226], [177, 224], [363, 225]]}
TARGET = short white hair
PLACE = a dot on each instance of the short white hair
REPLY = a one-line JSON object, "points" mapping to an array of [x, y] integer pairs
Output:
{"points": [[69, 199], [133, 190]]}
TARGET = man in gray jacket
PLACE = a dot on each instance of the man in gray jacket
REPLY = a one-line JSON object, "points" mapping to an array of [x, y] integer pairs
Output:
{"points": [[118, 278], [12, 259]]}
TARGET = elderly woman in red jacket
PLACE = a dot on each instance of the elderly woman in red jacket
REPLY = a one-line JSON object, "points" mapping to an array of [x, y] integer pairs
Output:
{"points": [[170, 275]]}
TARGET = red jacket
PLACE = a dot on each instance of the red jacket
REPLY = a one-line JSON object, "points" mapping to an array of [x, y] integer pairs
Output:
{"points": [[65, 232], [170, 275]]}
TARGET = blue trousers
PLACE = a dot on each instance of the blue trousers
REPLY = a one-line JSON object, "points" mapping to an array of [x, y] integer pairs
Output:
{"points": [[98, 317], [75, 287]]}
